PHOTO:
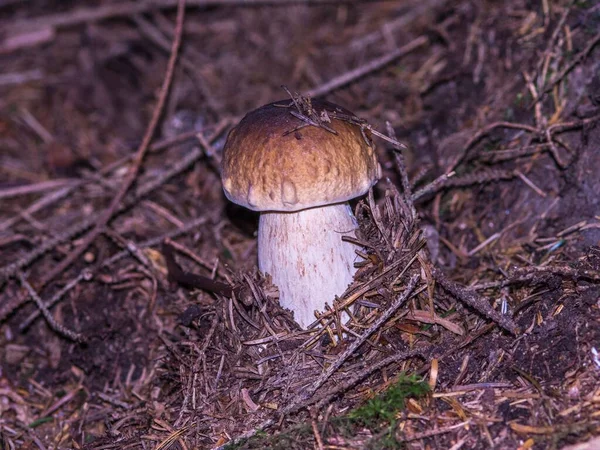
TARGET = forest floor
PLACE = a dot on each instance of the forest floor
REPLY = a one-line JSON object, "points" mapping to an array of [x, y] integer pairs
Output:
{"points": [[475, 315]]}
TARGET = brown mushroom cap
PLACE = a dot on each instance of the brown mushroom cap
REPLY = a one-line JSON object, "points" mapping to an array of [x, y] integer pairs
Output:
{"points": [[269, 167]]}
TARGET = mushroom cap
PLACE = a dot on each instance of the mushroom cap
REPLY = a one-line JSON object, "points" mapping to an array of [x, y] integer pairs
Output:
{"points": [[267, 166]]}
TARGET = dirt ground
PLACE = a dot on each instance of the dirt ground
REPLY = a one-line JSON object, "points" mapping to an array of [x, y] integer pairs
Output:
{"points": [[132, 313]]}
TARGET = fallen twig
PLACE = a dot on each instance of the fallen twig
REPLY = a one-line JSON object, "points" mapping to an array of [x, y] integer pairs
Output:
{"points": [[484, 132], [475, 301], [59, 328], [183, 164], [372, 66], [36, 187], [80, 16], [107, 215], [576, 60], [89, 274], [189, 279]]}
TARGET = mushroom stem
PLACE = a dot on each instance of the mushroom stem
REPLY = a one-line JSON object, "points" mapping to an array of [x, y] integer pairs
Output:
{"points": [[304, 253]]}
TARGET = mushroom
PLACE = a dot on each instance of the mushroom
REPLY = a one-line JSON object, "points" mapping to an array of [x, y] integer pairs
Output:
{"points": [[299, 174]]}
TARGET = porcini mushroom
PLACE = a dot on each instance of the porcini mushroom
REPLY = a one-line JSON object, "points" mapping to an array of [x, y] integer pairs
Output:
{"points": [[300, 175]]}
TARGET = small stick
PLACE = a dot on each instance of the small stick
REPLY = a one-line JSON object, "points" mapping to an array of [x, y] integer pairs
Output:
{"points": [[436, 185], [46, 200], [108, 213], [543, 63], [401, 166], [189, 279], [10, 270], [80, 16], [11, 78], [36, 187], [474, 300], [54, 325], [435, 432], [530, 183], [484, 244], [484, 132], [88, 274], [578, 58], [525, 274], [372, 66], [315, 429]]}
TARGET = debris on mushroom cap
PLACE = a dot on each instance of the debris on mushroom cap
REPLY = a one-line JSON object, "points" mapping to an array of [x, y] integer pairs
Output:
{"points": [[274, 160]]}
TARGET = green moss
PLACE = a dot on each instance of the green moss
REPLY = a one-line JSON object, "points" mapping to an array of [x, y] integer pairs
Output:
{"points": [[40, 421], [298, 436], [379, 413], [384, 408]]}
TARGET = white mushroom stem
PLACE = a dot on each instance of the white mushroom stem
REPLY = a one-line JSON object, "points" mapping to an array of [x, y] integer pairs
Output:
{"points": [[304, 253]]}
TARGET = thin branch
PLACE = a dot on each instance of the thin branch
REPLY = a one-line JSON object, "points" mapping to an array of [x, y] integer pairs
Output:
{"points": [[474, 300], [578, 58], [46, 200], [401, 167], [11, 269], [140, 154], [54, 325], [8, 79], [80, 16], [88, 274], [372, 66], [42, 186], [484, 132]]}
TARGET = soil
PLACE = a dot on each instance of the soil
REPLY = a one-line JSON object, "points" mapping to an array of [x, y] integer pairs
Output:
{"points": [[163, 334]]}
